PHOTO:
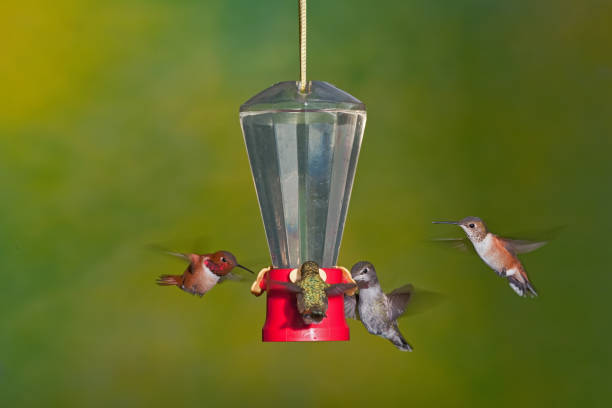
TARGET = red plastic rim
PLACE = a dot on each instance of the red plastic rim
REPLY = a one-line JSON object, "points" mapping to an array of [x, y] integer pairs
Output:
{"points": [[283, 322]]}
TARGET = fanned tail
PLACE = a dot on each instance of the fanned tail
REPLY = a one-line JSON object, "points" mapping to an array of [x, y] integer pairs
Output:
{"points": [[170, 280], [522, 287]]}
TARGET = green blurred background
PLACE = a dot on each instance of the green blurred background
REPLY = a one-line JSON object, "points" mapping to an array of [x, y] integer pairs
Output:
{"points": [[119, 128]]}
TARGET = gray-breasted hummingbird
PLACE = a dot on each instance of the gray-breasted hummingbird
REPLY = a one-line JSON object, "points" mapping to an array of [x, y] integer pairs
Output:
{"points": [[377, 311]]}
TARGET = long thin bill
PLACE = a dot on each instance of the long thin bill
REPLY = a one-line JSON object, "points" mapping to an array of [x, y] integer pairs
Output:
{"points": [[446, 222], [245, 268]]}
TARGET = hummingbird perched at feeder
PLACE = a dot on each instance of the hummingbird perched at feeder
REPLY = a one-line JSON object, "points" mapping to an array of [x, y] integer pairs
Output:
{"points": [[500, 254], [203, 273], [378, 311], [312, 291]]}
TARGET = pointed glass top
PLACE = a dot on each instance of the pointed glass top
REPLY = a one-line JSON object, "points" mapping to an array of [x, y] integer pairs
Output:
{"points": [[285, 96]]}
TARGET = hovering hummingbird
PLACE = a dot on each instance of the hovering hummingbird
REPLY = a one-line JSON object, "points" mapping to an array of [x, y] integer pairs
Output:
{"points": [[500, 254], [312, 292], [377, 311], [203, 273]]}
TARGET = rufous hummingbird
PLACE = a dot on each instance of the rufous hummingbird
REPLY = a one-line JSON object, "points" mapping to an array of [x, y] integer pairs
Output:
{"points": [[203, 273], [500, 254]]}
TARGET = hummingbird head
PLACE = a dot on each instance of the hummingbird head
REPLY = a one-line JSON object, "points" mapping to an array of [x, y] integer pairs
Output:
{"points": [[474, 227], [222, 262], [309, 268], [364, 274]]}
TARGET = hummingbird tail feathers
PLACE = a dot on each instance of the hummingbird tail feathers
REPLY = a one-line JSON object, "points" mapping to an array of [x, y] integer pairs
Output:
{"points": [[314, 315], [400, 342], [522, 288], [170, 280], [531, 290]]}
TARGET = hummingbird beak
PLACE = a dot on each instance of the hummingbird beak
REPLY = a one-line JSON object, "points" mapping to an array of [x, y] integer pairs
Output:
{"points": [[446, 222], [245, 268]]}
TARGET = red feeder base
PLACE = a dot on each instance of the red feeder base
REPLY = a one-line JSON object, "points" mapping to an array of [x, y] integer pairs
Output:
{"points": [[284, 323]]}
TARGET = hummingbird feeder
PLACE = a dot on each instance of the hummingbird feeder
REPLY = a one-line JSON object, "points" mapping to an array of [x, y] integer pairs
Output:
{"points": [[303, 140]]}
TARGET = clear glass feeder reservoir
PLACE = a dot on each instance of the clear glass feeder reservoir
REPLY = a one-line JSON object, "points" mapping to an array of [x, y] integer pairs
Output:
{"points": [[303, 149]]}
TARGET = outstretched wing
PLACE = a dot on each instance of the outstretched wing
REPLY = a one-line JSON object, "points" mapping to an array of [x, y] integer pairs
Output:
{"points": [[161, 249], [291, 287], [398, 299], [350, 306], [521, 246], [339, 288], [537, 239]]}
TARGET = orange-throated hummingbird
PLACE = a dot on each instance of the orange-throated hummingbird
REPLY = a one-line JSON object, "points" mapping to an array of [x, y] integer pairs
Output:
{"points": [[500, 254], [203, 273]]}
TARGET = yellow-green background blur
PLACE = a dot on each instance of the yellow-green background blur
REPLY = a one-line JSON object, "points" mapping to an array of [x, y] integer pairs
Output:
{"points": [[119, 128]]}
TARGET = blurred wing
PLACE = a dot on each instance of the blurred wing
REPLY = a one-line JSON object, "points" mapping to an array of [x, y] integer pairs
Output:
{"points": [[181, 255], [537, 239], [462, 244], [301, 307], [237, 275], [521, 246], [422, 301], [363, 284], [231, 277], [291, 287], [398, 299], [350, 307], [338, 288], [184, 257]]}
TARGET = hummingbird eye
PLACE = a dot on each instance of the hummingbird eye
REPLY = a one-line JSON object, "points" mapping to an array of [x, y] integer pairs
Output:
{"points": [[471, 225], [366, 270], [223, 260]]}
